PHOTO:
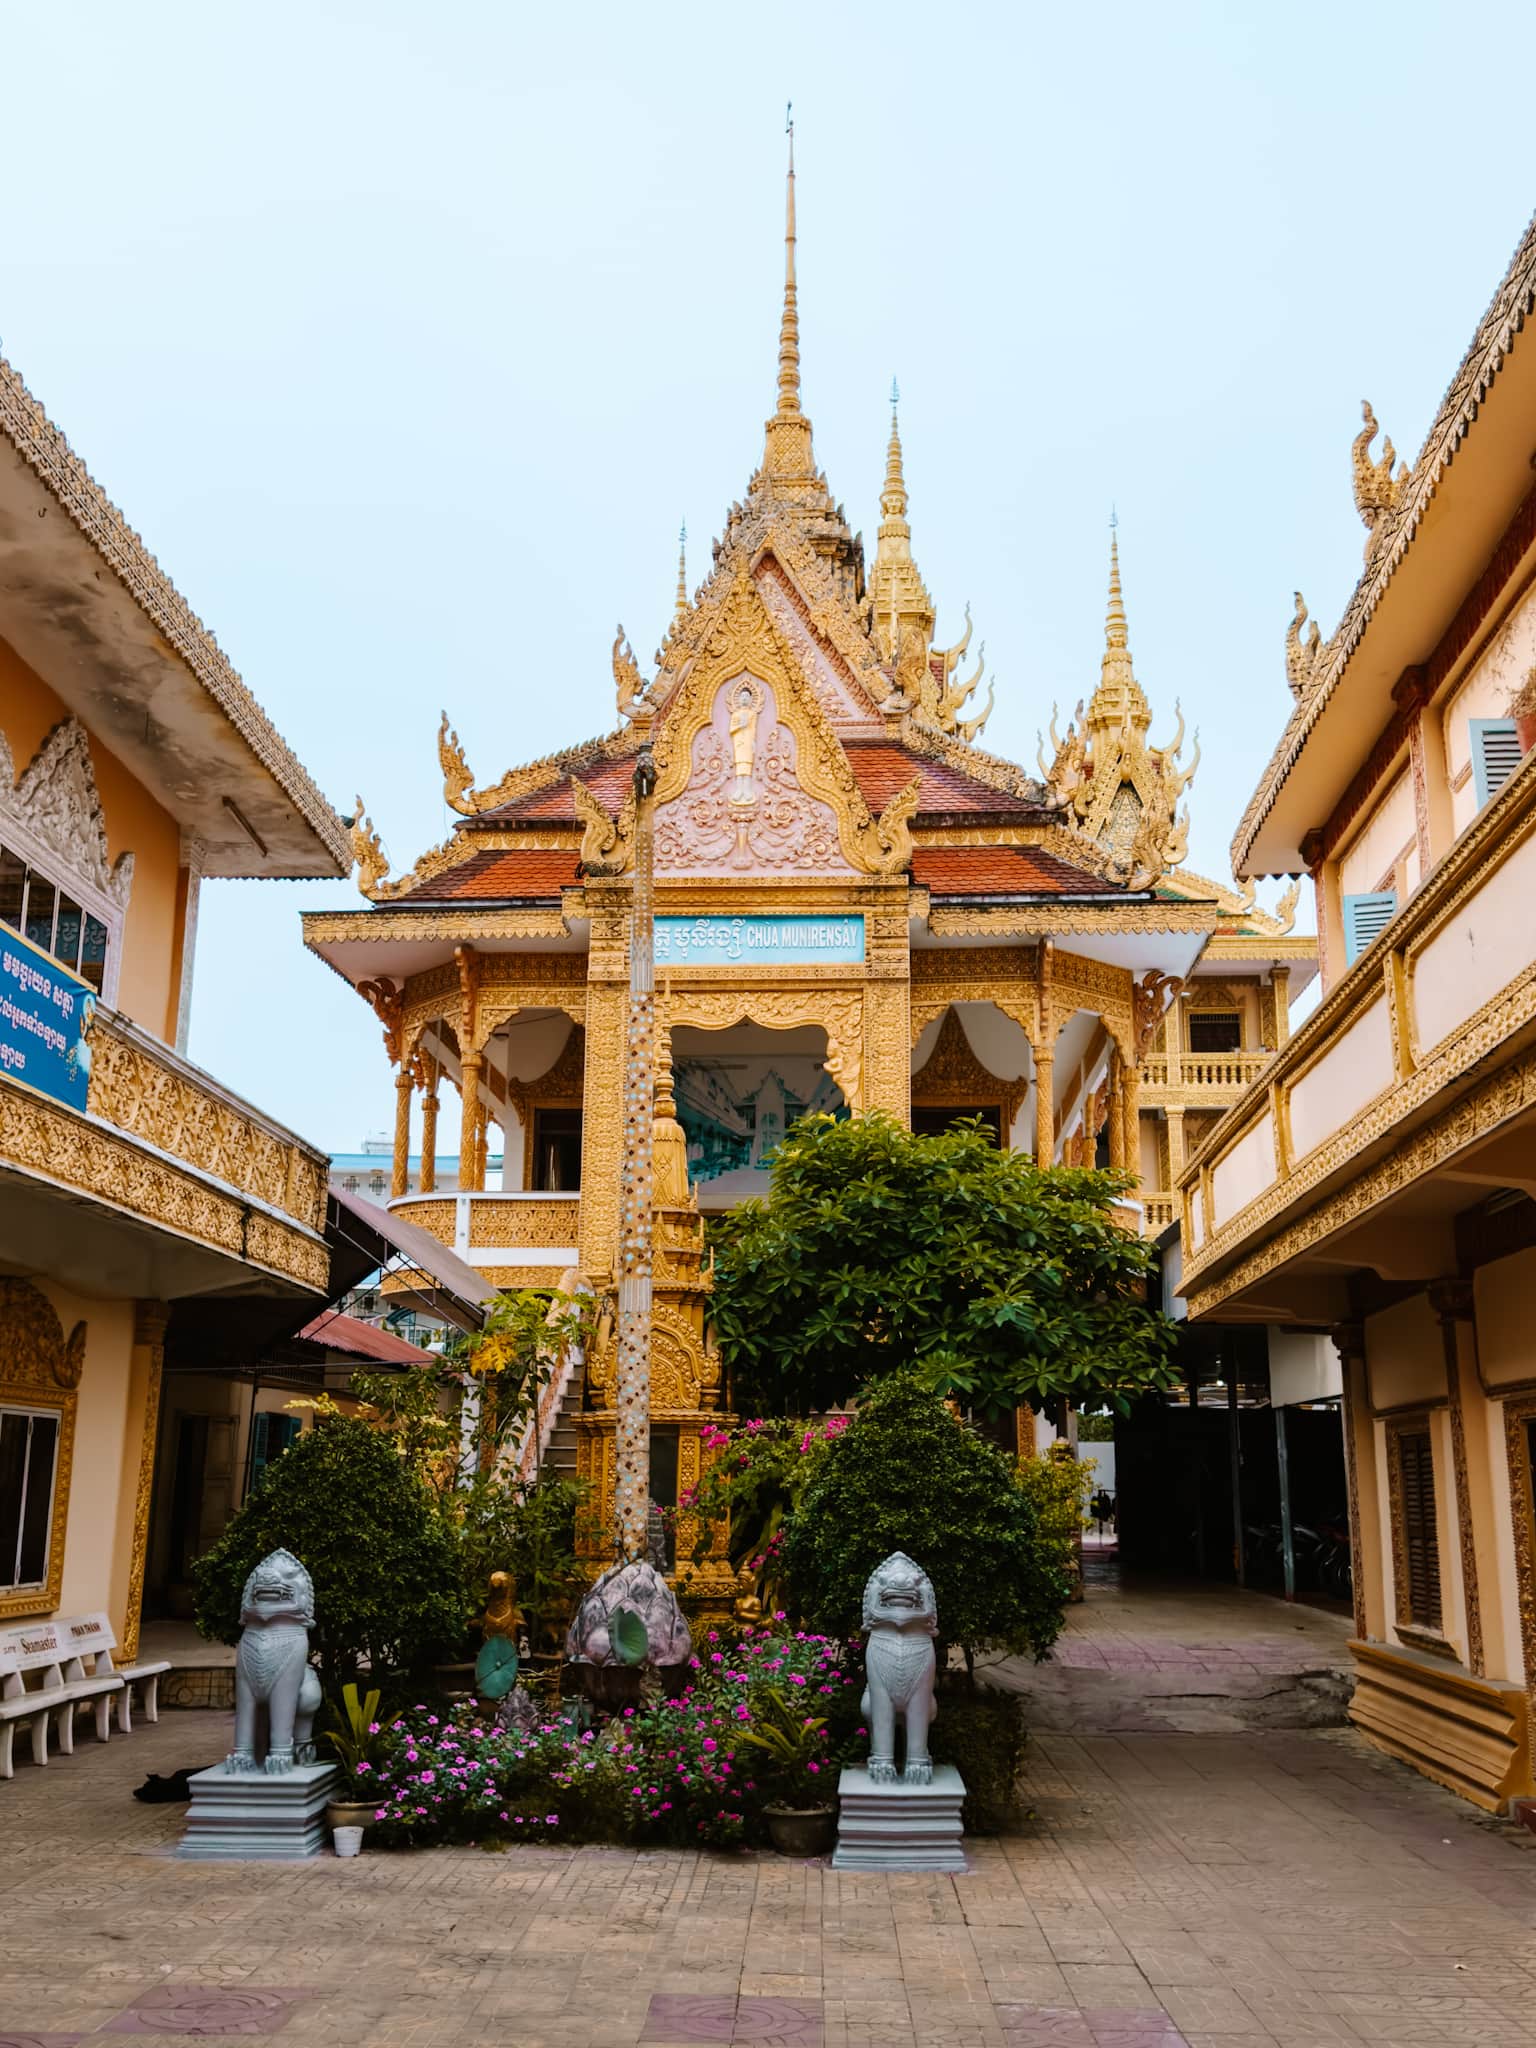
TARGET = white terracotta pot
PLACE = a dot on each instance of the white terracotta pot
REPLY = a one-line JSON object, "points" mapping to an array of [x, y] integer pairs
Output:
{"points": [[348, 1841]]}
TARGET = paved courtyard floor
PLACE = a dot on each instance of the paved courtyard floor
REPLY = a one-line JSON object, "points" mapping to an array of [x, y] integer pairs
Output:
{"points": [[1196, 1889]]}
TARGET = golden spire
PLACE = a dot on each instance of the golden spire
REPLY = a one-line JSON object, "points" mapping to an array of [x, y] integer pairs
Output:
{"points": [[680, 609], [1118, 704], [901, 610], [669, 1145], [787, 457]]}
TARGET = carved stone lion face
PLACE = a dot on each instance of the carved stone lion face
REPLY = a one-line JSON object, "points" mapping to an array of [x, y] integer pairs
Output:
{"points": [[899, 1594], [278, 1590]]}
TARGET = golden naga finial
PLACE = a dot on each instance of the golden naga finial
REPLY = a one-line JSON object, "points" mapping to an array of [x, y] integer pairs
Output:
{"points": [[1284, 912], [627, 678], [1377, 490], [368, 855], [457, 780], [893, 829], [386, 999], [955, 697], [1303, 651], [605, 841], [1149, 998]]}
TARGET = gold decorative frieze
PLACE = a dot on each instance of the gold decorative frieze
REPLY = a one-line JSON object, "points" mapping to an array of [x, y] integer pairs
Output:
{"points": [[952, 1077]]}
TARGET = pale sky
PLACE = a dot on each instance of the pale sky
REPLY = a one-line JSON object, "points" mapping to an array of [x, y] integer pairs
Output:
{"points": [[406, 338]]}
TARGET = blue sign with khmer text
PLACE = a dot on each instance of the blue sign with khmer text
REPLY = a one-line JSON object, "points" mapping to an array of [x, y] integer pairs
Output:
{"points": [[772, 940], [45, 1022]]}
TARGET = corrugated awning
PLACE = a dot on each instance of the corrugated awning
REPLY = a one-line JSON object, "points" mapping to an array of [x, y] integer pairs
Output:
{"points": [[365, 1239]]}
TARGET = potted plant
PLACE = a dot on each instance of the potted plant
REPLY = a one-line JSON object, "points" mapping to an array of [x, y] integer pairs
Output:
{"points": [[801, 1813], [359, 1740]]}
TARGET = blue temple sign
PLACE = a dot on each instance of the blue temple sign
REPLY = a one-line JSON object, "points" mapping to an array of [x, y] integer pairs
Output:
{"points": [[772, 940], [45, 1022]]}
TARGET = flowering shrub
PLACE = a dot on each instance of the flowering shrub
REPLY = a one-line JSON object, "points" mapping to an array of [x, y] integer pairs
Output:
{"points": [[678, 1771], [758, 1474]]}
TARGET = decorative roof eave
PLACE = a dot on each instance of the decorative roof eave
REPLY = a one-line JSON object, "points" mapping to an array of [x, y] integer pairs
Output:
{"points": [[1490, 346], [46, 452], [544, 774], [977, 917]]}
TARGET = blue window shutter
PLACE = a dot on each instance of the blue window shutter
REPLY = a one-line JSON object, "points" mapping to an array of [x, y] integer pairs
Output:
{"points": [[1365, 916], [1495, 755]]}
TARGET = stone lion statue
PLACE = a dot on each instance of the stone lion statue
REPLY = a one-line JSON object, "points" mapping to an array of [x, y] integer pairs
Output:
{"points": [[272, 1667], [902, 1619]]}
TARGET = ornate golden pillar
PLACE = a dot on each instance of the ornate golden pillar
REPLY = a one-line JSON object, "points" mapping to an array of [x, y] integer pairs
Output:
{"points": [[1045, 1108], [1132, 1115], [146, 1363], [1281, 977], [1173, 1040], [1363, 1485], [1116, 1111], [471, 1180], [1176, 1148], [602, 1092], [400, 1177], [887, 1008], [429, 1129]]}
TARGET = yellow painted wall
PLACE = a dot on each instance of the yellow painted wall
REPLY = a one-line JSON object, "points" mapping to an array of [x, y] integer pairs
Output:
{"points": [[1405, 1354], [101, 1426], [136, 823]]}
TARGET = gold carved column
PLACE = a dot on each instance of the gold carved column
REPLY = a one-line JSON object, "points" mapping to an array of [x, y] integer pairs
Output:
{"points": [[1366, 1561], [602, 1093], [429, 1128], [888, 1012], [146, 1364], [1131, 1112], [1045, 1106], [400, 1177], [1176, 1148], [471, 1179], [1116, 1111], [1281, 977]]}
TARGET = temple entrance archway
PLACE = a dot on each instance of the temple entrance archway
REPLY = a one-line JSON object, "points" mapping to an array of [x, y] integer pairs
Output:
{"points": [[974, 1060], [738, 1091]]}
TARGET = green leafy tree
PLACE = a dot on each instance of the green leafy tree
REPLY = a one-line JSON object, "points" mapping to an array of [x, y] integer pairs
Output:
{"points": [[1005, 1285], [388, 1583], [907, 1474]]}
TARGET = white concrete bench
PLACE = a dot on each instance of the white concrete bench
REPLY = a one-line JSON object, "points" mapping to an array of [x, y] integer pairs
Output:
{"points": [[49, 1668], [91, 1634]]}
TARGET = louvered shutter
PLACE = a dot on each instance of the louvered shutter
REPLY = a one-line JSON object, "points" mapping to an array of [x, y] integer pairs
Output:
{"points": [[1495, 755], [1421, 1550], [1365, 916]]}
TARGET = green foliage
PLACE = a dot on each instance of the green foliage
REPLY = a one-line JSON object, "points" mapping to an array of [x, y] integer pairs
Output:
{"points": [[387, 1583], [982, 1733], [908, 1475], [1004, 1284], [1057, 1485], [1096, 1429], [792, 1742], [496, 1668], [532, 1535], [358, 1736]]}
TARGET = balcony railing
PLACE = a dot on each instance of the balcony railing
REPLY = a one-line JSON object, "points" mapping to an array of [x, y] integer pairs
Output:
{"points": [[491, 1230], [163, 1143], [1157, 1211], [1201, 1073]]}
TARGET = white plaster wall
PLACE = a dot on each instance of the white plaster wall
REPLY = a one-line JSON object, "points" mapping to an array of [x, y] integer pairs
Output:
{"points": [[1245, 1172], [1348, 1076], [1478, 951], [1490, 683], [1388, 832], [1149, 1164]]}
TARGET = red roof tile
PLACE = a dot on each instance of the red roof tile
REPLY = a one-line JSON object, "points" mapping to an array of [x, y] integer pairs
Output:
{"points": [[1003, 871], [346, 1333], [608, 781], [536, 874], [881, 768]]}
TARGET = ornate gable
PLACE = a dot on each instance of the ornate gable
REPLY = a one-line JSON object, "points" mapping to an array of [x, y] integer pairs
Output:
{"points": [[57, 807]]}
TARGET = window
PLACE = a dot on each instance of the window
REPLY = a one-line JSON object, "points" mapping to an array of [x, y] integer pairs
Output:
{"points": [[270, 1437], [1215, 1031], [1496, 754], [1418, 1594], [1365, 917], [29, 1451], [51, 918]]}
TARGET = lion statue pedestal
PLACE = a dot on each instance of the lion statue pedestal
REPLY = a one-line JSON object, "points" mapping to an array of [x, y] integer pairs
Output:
{"points": [[908, 1820], [272, 1807]]}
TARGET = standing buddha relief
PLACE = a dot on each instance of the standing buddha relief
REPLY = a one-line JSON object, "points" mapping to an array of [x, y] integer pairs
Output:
{"points": [[743, 810]]}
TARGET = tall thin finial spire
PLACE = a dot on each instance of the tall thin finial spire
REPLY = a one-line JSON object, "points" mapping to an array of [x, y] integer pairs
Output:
{"points": [[682, 571], [1118, 704], [1115, 630], [893, 499], [789, 325]]}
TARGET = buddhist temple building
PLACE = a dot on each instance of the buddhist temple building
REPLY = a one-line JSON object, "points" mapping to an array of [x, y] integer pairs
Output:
{"points": [[857, 907], [1376, 1183]]}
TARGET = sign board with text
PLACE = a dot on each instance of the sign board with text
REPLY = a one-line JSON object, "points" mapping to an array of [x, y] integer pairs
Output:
{"points": [[773, 940], [45, 1022]]}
